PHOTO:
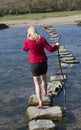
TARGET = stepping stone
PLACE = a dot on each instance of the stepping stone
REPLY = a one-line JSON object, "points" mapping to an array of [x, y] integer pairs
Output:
{"points": [[41, 125], [54, 87], [64, 65], [65, 53], [49, 31], [33, 100], [54, 35], [63, 56], [52, 113], [61, 47], [58, 78], [67, 58], [54, 38], [70, 61]]}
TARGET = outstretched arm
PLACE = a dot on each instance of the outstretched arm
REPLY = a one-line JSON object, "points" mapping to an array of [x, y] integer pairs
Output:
{"points": [[49, 47]]}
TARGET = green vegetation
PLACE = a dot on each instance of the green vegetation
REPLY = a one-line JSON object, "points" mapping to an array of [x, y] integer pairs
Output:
{"points": [[37, 6], [34, 16], [78, 22]]}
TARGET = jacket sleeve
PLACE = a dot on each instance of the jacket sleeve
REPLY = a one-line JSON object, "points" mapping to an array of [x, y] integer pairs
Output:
{"points": [[25, 47], [49, 47]]}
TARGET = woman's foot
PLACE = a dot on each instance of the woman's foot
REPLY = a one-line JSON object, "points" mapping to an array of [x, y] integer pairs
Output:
{"points": [[40, 106]]}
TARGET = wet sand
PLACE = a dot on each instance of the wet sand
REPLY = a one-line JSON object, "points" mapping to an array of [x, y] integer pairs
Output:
{"points": [[43, 22]]}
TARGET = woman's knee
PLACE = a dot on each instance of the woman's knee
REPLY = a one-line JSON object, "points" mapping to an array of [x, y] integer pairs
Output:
{"points": [[36, 79]]}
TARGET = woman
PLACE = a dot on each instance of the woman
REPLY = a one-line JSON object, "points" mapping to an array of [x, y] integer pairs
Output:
{"points": [[35, 44]]}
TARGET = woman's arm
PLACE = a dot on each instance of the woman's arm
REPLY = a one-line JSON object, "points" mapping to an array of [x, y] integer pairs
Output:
{"points": [[25, 47], [49, 47]]}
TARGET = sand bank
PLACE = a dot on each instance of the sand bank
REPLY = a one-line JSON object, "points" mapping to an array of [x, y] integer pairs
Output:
{"points": [[43, 22]]}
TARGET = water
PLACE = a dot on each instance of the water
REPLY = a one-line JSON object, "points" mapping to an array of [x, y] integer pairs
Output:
{"points": [[16, 84], [71, 39]]}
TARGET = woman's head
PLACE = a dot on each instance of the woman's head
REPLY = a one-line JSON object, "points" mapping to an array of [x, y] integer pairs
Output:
{"points": [[32, 33]]}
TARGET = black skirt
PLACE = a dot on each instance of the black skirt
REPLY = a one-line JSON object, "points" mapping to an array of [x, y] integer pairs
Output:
{"points": [[39, 69]]}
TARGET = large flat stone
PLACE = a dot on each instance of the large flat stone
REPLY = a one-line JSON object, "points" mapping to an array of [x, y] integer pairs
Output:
{"points": [[33, 100], [65, 65], [62, 48], [67, 58], [58, 78], [70, 61], [41, 125], [46, 112], [54, 87], [62, 56], [65, 53]]}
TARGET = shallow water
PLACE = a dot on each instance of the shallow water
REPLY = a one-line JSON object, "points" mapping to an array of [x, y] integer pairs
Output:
{"points": [[71, 39], [16, 84]]}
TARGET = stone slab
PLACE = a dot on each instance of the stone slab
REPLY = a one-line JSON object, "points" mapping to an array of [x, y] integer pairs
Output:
{"points": [[62, 56], [67, 58], [33, 100], [46, 112], [64, 65], [41, 125], [70, 61], [65, 53], [54, 87], [58, 78]]}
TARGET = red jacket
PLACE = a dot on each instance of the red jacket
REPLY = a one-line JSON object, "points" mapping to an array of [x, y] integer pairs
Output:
{"points": [[36, 48]]}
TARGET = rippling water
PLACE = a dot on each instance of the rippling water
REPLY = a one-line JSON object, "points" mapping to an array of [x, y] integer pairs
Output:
{"points": [[16, 84]]}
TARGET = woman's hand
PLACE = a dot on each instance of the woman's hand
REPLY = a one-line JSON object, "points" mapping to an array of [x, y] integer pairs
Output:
{"points": [[57, 44]]}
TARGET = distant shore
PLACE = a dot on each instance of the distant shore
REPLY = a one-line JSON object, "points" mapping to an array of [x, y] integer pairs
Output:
{"points": [[43, 22]]}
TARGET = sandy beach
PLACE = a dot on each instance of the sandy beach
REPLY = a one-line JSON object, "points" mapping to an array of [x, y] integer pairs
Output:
{"points": [[43, 22]]}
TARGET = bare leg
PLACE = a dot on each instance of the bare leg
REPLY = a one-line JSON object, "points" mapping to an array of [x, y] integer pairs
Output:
{"points": [[44, 83], [38, 88]]}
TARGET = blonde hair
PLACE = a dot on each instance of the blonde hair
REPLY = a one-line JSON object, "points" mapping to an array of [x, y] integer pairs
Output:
{"points": [[32, 33]]}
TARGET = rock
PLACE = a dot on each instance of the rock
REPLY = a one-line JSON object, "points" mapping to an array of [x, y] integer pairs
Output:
{"points": [[3, 26], [54, 38], [65, 53], [54, 87], [58, 78], [70, 61], [67, 58], [53, 35], [64, 65], [62, 48], [34, 101], [52, 113], [41, 125], [63, 56]]}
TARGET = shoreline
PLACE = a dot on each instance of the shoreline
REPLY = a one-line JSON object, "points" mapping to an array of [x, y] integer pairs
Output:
{"points": [[43, 22]]}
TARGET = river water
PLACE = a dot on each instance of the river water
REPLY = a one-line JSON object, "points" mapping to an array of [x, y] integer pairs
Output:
{"points": [[16, 83]]}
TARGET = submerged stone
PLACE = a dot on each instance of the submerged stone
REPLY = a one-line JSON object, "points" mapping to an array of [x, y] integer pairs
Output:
{"points": [[41, 125], [52, 113]]}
